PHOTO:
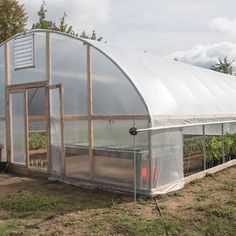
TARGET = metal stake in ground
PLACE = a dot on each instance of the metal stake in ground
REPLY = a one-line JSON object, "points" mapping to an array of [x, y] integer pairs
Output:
{"points": [[133, 131]]}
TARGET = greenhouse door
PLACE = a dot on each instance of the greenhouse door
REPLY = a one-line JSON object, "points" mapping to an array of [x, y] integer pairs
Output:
{"points": [[57, 148], [28, 126]]}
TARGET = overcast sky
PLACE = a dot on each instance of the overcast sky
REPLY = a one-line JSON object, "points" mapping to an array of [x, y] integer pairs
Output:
{"points": [[195, 31]]}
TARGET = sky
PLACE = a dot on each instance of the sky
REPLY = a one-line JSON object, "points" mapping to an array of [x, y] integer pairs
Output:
{"points": [[194, 31]]}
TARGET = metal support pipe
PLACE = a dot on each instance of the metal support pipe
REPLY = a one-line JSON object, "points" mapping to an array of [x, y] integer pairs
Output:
{"points": [[222, 143], [204, 147], [184, 125], [134, 133], [135, 172]]}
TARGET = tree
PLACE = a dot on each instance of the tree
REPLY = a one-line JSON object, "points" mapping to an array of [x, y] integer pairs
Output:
{"points": [[93, 36], [12, 18], [43, 23], [224, 66], [63, 27]]}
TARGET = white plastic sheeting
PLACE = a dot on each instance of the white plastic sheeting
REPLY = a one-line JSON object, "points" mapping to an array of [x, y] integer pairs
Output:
{"points": [[167, 161], [175, 92]]}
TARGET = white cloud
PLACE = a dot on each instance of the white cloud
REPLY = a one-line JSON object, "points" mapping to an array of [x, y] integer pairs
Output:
{"points": [[206, 55], [224, 25], [81, 14]]}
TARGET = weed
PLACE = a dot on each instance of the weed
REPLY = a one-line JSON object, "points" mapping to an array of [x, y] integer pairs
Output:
{"points": [[139, 226], [202, 194], [144, 200], [176, 194], [222, 212], [33, 203], [210, 175], [72, 221], [194, 182], [10, 227], [114, 202]]}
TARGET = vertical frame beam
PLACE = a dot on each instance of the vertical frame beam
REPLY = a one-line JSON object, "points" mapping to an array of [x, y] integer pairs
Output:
{"points": [[8, 103], [90, 112], [47, 99], [26, 128], [150, 157], [61, 95]]}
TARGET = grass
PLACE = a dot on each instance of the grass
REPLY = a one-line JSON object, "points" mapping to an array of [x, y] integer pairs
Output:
{"points": [[205, 207], [10, 227], [129, 225], [35, 203]]}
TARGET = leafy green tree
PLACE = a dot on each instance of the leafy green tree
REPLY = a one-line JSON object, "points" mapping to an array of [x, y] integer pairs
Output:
{"points": [[224, 66], [43, 23], [63, 27], [12, 18], [93, 36]]}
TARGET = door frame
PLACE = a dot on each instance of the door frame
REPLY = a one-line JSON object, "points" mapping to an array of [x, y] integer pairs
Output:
{"points": [[10, 89]]}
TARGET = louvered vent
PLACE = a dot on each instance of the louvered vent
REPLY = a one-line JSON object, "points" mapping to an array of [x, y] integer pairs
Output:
{"points": [[24, 51]]}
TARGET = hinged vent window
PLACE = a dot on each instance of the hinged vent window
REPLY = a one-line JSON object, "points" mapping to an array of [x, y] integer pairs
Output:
{"points": [[24, 51]]}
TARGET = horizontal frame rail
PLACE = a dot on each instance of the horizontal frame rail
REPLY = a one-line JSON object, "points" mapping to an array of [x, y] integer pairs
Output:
{"points": [[185, 125]]}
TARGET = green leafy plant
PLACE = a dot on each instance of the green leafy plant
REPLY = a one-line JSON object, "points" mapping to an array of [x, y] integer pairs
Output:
{"points": [[37, 140]]}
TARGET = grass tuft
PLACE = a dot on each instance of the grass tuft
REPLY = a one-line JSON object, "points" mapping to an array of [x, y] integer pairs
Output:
{"points": [[34, 203]]}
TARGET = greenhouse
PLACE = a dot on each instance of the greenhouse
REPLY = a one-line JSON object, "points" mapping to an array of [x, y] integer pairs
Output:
{"points": [[67, 105]]}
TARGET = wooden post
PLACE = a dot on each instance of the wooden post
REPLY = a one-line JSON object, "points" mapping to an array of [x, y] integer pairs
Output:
{"points": [[90, 112], [47, 99], [8, 104], [61, 95], [26, 129]]}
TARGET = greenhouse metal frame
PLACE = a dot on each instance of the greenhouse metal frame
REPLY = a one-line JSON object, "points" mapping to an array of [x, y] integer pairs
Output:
{"points": [[67, 104]]}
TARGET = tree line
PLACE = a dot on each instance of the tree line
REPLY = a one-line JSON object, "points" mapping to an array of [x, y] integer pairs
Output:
{"points": [[13, 20]]}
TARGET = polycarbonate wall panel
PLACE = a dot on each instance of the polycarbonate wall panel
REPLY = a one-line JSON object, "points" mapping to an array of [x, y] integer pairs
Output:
{"points": [[113, 93], [69, 67], [18, 128], [229, 141], [215, 129], [31, 74], [76, 145], [3, 139], [56, 145], [213, 143], [76, 132], [2, 81], [115, 134], [114, 152], [167, 160], [193, 153], [36, 102], [114, 170]]}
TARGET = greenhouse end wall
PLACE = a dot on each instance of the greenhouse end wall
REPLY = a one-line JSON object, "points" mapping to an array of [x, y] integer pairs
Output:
{"points": [[50, 102]]}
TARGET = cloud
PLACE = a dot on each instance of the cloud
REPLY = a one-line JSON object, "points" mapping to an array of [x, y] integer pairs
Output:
{"points": [[81, 14], [206, 55], [224, 25]]}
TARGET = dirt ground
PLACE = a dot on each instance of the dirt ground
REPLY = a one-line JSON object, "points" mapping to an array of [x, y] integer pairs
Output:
{"points": [[34, 206]]}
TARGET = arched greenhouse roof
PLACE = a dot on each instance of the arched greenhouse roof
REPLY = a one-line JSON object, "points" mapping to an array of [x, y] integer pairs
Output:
{"points": [[177, 93], [174, 92]]}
